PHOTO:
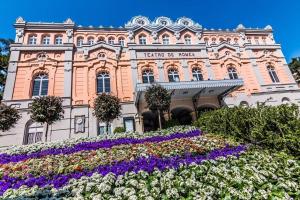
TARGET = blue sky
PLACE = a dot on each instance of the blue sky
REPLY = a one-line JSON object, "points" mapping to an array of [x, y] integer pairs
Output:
{"points": [[283, 16]]}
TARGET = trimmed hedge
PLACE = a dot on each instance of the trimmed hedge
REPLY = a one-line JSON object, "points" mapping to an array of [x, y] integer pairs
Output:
{"points": [[275, 127]]}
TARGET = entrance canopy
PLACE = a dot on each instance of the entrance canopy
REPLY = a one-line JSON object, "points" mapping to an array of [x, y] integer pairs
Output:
{"points": [[191, 89]]}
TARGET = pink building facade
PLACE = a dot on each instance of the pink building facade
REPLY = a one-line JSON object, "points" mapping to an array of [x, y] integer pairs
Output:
{"points": [[203, 69]]}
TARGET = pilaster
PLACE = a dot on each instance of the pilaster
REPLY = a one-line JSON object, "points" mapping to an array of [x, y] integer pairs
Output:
{"points": [[160, 66], [185, 68]]}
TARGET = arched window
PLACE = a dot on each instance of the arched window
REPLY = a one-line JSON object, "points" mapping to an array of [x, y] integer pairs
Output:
{"points": [[197, 74], [273, 74], [103, 82], [79, 41], [46, 40], [285, 100], [142, 40], [101, 39], [33, 133], [165, 39], [244, 104], [148, 76], [32, 40], [40, 85], [122, 41], [232, 73], [58, 40], [111, 40], [91, 41], [173, 75], [187, 39]]}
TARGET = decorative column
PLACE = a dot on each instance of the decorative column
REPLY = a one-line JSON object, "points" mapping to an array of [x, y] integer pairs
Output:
{"points": [[255, 67], [11, 75], [134, 70], [68, 69], [161, 74], [185, 68]]}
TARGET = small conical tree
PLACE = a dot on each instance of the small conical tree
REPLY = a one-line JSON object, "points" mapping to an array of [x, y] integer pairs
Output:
{"points": [[106, 108], [158, 99], [8, 117], [46, 109]]}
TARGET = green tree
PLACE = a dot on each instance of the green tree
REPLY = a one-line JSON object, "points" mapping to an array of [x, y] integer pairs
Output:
{"points": [[295, 68], [46, 109], [107, 108], [4, 59], [8, 117], [158, 99]]}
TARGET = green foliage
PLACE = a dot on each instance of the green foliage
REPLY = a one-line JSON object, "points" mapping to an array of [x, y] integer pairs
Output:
{"points": [[8, 117], [158, 98], [269, 126], [171, 123], [4, 58], [295, 68], [119, 129], [46, 109], [107, 108]]}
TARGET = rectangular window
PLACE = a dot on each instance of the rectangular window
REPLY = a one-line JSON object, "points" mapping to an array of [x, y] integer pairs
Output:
{"points": [[129, 124], [36, 88], [99, 85], [101, 130], [107, 85], [44, 88]]}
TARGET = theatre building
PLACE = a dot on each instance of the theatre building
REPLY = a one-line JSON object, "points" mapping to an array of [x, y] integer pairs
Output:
{"points": [[202, 68]]}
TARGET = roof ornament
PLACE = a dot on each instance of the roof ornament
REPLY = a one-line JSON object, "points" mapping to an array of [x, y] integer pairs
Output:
{"points": [[240, 27], [20, 20], [269, 28], [68, 21]]}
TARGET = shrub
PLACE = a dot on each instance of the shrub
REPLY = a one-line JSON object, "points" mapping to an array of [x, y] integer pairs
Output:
{"points": [[8, 117], [276, 127], [171, 123], [119, 129]]}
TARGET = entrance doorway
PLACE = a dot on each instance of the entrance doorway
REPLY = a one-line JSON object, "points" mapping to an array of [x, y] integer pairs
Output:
{"points": [[182, 115]]}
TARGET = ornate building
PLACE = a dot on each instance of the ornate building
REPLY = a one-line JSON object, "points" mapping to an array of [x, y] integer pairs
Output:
{"points": [[203, 69]]}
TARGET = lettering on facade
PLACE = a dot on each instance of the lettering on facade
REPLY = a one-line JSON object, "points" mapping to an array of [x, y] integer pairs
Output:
{"points": [[166, 55]]}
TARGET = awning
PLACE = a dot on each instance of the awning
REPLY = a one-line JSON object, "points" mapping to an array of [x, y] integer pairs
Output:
{"points": [[190, 89]]}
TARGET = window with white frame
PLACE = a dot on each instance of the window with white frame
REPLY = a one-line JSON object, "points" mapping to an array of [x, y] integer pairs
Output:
{"points": [[40, 85], [165, 39], [197, 74], [122, 41], [79, 41], [46, 40], [32, 40], [273, 74], [91, 41], [33, 133], [148, 76], [103, 82], [232, 73], [58, 40], [173, 75], [111, 40], [142, 40], [101, 39], [187, 39]]}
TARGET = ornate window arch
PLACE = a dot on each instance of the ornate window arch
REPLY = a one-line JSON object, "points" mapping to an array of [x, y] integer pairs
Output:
{"points": [[232, 73], [165, 39], [147, 76], [142, 39], [79, 41], [91, 40], [197, 74], [273, 74], [46, 39], [101, 39], [33, 132], [187, 39], [58, 39], [40, 84], [111, 40], [122, 41], [173, 75], [32, 39], [103, 82]]}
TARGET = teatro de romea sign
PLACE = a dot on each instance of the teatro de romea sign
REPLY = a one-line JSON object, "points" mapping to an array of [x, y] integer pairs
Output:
{"points": [[161, 55]]}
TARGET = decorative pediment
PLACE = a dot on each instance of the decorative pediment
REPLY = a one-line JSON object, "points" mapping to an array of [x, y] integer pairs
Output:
{"points": [[87, 49], [181, 24]]}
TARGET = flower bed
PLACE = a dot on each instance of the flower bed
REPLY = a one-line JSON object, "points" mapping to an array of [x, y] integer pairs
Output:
{"points": [[183, 164]]}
